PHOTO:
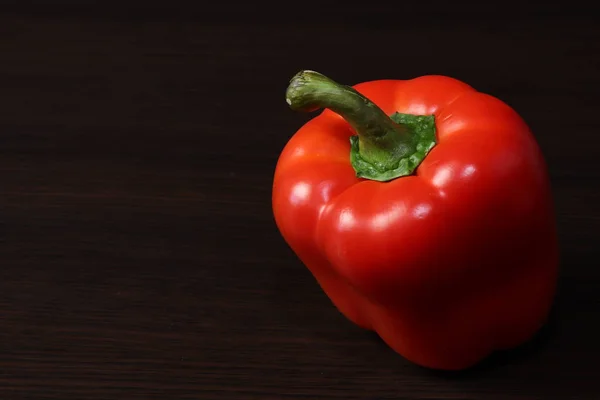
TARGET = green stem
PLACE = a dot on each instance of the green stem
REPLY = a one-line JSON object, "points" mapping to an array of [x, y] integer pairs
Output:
{"points": [[382, 142]]}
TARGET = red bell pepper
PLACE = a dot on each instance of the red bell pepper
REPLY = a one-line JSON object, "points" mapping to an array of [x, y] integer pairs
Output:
{"points": [[423, 209]]}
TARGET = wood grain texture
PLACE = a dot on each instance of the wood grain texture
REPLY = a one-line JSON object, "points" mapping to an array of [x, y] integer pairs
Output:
{"points": [[140, 259]]}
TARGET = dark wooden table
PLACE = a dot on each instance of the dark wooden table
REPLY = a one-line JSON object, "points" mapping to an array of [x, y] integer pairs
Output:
{"points": [[140, 259]]}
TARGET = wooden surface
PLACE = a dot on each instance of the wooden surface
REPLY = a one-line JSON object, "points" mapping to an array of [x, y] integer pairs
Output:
{"points": [[140, 259]]}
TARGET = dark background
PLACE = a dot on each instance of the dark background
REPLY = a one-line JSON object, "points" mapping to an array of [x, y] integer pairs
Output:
{"points": [[140, 259]]}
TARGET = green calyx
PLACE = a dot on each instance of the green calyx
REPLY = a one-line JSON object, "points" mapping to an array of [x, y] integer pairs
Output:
{"points": [[384, 147], [386, 167]]}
